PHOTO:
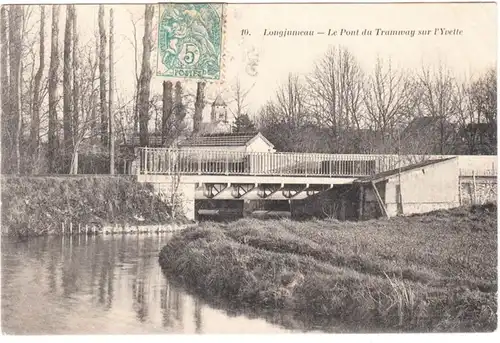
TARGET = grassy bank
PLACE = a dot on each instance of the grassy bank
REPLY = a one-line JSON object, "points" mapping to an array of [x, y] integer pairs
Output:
{"points": [[433, 272], [38, 205]]}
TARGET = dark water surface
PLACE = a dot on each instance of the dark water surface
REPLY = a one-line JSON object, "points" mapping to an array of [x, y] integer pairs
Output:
{"points": [[101, 285]]}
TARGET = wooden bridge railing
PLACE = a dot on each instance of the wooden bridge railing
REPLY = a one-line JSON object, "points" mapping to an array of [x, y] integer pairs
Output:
{"points": [[169, 161]]}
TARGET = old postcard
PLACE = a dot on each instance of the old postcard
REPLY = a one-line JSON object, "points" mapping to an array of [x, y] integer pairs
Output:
{"points": [[199, 167]]}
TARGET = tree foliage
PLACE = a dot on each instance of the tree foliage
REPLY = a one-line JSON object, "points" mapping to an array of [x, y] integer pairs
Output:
{"points": [[243, 124]]}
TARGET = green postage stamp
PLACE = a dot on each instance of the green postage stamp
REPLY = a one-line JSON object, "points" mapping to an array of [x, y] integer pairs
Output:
{"points": [[190, 40]]}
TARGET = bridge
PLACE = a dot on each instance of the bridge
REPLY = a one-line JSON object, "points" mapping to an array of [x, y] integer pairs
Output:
{"points": [[205, 174], [238, 174], [265, 175]]}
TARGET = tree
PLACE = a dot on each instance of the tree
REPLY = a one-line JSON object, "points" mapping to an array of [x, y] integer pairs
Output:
{"points": [[199, 105], [111, 95], [16, 18], [475, 105], [388, 99], [179, 107], [484, 97], [239, 97], [5, 88], [88, 96], [335, 95], [35, 119], [172, 113], [76, 87], [243, 124], [53, 81], [437, 88], [145, 77], [168, 107], [282, 118], [102, 77], [15, 45], [67, 85], [135, 46]]}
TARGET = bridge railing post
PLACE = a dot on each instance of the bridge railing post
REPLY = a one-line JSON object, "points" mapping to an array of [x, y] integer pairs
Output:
{"points": [[199, 162], [169, 152], [281, 165], [155, 157], [306, 164]]}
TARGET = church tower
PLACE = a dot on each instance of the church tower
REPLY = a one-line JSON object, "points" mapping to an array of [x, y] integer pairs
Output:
{"points": [[219, 111]]}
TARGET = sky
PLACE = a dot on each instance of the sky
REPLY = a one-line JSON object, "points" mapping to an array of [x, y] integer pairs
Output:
{"points": [[466, 54]]}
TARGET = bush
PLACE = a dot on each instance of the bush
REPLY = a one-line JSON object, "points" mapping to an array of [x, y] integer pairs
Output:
{"points": [[38, 205]]}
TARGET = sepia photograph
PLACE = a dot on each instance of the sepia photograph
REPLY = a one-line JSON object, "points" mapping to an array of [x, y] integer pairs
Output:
{"points": [[195, 167]]}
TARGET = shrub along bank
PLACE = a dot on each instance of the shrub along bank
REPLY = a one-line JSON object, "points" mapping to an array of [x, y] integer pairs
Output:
{"points": [[39, 205], [432, 272]]}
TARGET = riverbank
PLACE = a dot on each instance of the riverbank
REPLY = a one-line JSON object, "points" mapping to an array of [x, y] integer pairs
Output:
{"points": [[432, 272], [33, 206]]}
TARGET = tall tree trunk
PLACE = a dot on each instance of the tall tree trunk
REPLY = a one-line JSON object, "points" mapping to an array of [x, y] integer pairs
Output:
{"points": [[145, 77], [95, 123], [35, 119], [67, 90], [76, 92], [53, 81], [198, 107], [179, 111], [111, 95], [5, 89], [102, 77], [15, 47], [167, 109], [94, 119]]}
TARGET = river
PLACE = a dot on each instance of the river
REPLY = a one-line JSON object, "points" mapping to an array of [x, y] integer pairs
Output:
{"points": [[103, 285]]}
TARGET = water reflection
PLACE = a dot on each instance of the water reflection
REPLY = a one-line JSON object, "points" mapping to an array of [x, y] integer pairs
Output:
{"points": [[104, 284]]}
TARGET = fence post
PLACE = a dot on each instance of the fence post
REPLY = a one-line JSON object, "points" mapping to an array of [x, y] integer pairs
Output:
{"points": [[227, 163]]}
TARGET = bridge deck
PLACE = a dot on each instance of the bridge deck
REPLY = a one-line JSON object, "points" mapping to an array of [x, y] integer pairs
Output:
{"points": [[202, 162], [163, 161]]}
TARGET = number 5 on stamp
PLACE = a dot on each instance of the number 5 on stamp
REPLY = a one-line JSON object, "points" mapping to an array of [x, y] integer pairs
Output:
{"points": [[190, 40]]}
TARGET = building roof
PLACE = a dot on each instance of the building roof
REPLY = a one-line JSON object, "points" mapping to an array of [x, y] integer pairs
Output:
{"points": [[224, 139], [218, 101], [154, 140], [394, 172]]}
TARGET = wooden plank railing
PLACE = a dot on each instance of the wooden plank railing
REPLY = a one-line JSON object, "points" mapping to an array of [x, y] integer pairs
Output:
{"points": [[170, 161]]}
